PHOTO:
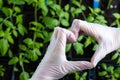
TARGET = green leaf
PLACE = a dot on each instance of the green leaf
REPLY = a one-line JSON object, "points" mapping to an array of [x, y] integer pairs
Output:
{"points": [[117, 75], [8, 23], [22, 30], [110, 69], [40, 35], [23, 47], [83, 7], [116, 15], [97, 10], [66, 15], [2, 71], [17, 9], [52, 12], [68, 47], [88, 41], [48, 37], [77, 77], [78, 48], [84, 74], [115, 56], [76, 3], [7, 11], [104, 66], [67, 7], [19, 19], [103, 73], [80, 38], [28, 41], [10, 53], [55, 7], [30, 1], [17, 2], [117, 70], [92, 10], [2, 33], [24, 76], [1, 19], [90, 19], [32, 55], [26, 61], [39, 25], [77, 11], [41, 4], [3, 46], [95, 47], [1, 3], [37, 51], [16, 69], [14, 60], [64, 22], [15, 33], [38, 45], [10, 39], [118, 61], [50, 22]]}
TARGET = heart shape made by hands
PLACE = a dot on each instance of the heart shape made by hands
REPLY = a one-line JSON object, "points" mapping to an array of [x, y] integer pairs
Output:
{"points": [[107, 37]]}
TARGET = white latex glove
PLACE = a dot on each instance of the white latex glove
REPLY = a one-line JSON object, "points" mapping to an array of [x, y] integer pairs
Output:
{"points": [[54, 64], [107, 37]]}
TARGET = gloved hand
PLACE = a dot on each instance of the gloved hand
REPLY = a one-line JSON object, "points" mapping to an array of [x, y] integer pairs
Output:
{"points": [[108, 38], [54, 64]]}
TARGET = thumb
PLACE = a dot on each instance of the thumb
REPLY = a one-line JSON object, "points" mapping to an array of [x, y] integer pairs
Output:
{"points": [[71, 66]]}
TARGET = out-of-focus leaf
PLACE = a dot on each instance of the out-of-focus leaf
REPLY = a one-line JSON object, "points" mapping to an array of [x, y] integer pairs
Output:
{"points": [[17, 9], [50, 22], [3, 46], [17, 2], [19, 19], [24, 76], [68, 47], [78, 48], [115, 56], [7, 11], [1, 3], [103, 73], [67, 7], [116, 15], [64, 22], [14, 60], [22, 30], [28, 41], [104, 66]]}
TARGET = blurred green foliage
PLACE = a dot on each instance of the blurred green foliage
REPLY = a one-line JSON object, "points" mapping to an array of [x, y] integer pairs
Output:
{"points": [[47, 15]]}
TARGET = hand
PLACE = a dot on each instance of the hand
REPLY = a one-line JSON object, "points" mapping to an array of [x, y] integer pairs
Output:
{"points": [[107, 37], [54, 64]]}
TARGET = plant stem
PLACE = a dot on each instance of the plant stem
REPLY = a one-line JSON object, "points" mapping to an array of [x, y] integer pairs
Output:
{"points": [[83, 15], [60, 2], [35, 15], [3, 22], [80, 1], [22, 66], [109, 4]]}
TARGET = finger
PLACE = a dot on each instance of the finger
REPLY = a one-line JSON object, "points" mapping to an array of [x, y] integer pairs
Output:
{"points": [[71, 66], [64, 36], [75, 28], [58, 41], [100, 53], [92, 29]]}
